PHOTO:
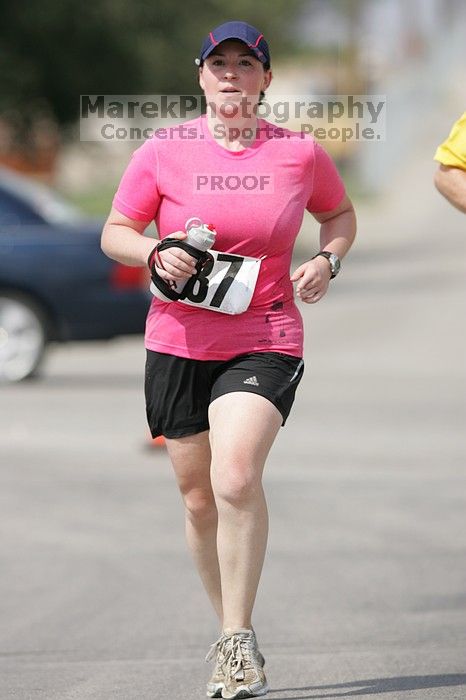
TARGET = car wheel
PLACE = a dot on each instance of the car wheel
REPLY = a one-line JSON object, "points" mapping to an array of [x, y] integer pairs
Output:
{"points": [[23, 337]]}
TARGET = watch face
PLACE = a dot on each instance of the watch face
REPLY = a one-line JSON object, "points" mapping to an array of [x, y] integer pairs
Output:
{"points": [[335, 264]]}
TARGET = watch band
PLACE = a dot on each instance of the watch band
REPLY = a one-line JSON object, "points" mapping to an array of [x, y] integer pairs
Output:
{"points": [[333, 259]]}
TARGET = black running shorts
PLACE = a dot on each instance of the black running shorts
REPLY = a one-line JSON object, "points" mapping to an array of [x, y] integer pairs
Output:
{"points": [[179, 390]]}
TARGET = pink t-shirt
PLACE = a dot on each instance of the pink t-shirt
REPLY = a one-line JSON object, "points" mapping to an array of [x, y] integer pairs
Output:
{"points": [[255, 198]]}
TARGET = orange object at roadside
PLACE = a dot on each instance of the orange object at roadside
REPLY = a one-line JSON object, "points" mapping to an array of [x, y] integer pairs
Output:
{"points": [[159, 441]]}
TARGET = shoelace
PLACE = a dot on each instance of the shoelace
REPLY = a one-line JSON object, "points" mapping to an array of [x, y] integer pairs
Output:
{"points": [[216, 648], [239, 655]]}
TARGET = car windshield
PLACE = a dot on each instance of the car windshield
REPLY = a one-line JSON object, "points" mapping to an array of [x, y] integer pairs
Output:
{"points": [[57, 210], [47, 203]]}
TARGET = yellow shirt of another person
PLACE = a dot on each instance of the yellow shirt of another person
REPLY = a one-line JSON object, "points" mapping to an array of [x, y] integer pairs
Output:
{"points": [[452, 152]]}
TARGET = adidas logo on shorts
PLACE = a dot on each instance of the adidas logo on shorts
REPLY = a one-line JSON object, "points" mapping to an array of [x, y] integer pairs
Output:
{"points": [[251, 380]]}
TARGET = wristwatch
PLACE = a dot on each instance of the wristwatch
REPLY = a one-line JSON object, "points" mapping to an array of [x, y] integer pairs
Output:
{"points": [[333, 260]]}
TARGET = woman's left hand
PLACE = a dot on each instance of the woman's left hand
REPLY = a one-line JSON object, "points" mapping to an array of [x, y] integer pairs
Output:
{"points": [[314, 277]]}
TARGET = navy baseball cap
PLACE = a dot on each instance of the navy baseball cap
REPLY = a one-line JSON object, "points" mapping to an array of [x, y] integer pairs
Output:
{"points": [[242, 31]]}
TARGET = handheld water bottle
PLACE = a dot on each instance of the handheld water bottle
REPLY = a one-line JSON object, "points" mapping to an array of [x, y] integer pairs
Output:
{"points": [[200, 238]]}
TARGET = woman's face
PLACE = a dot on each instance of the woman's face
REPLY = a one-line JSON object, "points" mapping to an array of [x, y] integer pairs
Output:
{"points": [[233, 75]]}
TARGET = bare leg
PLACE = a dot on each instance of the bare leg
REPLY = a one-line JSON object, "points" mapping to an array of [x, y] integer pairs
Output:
{"points": [[191, 457], [243, 427]]}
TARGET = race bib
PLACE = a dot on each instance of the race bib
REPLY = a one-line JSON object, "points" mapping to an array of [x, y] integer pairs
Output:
{"points": [[226, 284]]}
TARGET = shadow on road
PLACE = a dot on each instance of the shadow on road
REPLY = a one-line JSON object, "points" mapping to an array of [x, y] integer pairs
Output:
{"points": [[374, 686]]}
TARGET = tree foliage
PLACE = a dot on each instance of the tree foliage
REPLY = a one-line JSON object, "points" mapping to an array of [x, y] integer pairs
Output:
{"points": [[52, 51]]}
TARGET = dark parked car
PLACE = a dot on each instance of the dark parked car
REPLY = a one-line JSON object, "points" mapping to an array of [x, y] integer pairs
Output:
{"points": [[55, 282]]}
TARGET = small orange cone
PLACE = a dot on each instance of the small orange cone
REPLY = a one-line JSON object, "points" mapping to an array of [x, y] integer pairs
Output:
{"points": [[158, 441]]}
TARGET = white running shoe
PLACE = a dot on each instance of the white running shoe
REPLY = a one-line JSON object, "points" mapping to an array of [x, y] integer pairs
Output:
{"points": [[219, 649], [242, 666]]}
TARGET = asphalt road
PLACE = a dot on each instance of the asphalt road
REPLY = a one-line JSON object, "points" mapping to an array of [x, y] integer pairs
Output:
{"points": [[363, 590]]}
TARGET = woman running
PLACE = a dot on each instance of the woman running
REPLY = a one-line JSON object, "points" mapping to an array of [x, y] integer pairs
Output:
{"points": [[225, 359]]}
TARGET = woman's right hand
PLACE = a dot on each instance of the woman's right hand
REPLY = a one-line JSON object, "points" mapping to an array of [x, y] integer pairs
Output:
{"points": [[178, 264]]}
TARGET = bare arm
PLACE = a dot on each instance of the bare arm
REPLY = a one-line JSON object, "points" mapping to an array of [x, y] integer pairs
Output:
{"points": [[122, 240], [451, 182], [337, 233]]}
